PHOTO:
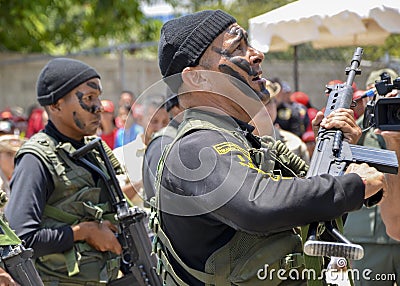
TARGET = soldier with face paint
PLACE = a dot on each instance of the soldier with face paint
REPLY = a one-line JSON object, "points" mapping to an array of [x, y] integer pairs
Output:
{"points": [[58, 206], [222, 215]]}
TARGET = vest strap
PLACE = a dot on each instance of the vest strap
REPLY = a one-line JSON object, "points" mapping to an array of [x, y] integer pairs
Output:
{"points": [[222, 269], [60, 215], [311, 262], [170, 271], [291, 261], [71, 262], [199, 275]]}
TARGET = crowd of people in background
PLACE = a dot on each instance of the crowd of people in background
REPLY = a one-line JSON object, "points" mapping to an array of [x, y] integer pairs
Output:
{"points": [[127, 126], [60, 204], [128, 121], [122, 122]]}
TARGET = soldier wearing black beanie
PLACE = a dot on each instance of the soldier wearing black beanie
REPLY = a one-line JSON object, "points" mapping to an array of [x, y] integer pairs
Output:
{"points": [[48, 185], [223, 217], [184, 40], [60, 76]]}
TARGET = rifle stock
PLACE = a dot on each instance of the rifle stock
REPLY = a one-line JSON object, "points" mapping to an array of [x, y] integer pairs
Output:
{"points": [[332, 155]]}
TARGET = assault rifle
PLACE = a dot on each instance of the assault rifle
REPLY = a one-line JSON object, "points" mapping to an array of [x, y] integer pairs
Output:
{"points": [[17, 259], [132, 235], [332, 155]]}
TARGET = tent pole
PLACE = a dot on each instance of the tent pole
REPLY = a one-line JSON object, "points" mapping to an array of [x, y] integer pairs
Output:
{"points": [[295, 68]]}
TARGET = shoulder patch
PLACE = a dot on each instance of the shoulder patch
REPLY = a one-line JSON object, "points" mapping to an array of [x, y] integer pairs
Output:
{"points": [[226, 147]]}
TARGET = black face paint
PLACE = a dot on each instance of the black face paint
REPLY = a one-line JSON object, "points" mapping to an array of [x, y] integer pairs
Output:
{"points": [[244, 65], [93, 85], [240, 35], [77, 121], [92, 109], [241, 63], [245, 88], [264, 90]]}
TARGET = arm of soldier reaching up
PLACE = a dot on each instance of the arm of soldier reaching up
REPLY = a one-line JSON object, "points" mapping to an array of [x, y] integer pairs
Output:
{"points": [[390, 210], [342, 119]]}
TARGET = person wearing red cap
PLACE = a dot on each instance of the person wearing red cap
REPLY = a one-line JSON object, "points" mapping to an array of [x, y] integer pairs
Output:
{"points": [[302, 98], [35, 122], [6, 122], [108, 130], [361, 103]]}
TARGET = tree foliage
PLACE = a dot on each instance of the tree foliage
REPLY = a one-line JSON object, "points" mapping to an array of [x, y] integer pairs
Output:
{"points": [[61, 26], [68, 26]]}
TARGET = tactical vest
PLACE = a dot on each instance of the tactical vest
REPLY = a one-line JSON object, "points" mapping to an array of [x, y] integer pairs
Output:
{"points": [[243, 259], [76, 198]]}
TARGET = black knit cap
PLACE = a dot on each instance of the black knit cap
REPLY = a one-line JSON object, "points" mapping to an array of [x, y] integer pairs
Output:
{"points": [[59, 77], [184, 40], [171, 102]]}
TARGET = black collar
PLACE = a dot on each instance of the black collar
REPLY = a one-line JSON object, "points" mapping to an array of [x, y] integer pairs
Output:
{"points": [[247, 130], [52, 131]]}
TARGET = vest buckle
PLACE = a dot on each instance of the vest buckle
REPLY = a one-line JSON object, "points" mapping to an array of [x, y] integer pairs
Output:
{"points": [[293, 260]]}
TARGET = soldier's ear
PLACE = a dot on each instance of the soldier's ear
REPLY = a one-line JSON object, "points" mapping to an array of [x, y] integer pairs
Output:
{"points": [[196, 79], [55, 107]]}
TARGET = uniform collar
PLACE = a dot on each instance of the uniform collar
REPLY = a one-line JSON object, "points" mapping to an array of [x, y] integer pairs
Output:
{"points": [[224, 121], [244, 127], [52, 131]]}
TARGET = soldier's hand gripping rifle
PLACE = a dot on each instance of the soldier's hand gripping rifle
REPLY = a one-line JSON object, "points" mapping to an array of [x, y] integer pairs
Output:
{"points": [[16, 258], [332, 155], [134, 239]]}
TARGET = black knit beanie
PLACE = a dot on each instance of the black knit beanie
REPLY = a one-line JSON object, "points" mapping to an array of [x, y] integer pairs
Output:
{"points": [[171, 102], [59, 77], [184, 40]]}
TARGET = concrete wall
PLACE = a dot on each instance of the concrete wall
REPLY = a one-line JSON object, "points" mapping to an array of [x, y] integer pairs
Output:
{"points": [[18, 74], [18, 77]]}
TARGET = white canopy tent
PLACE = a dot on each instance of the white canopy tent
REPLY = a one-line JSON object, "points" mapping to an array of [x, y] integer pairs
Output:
{"points": [[325, 23]]}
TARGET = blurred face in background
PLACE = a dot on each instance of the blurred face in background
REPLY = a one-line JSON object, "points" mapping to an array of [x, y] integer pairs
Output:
{"points": [[9, 144], [123, 112], [126, 99], [154, 119], [7, 163]]}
